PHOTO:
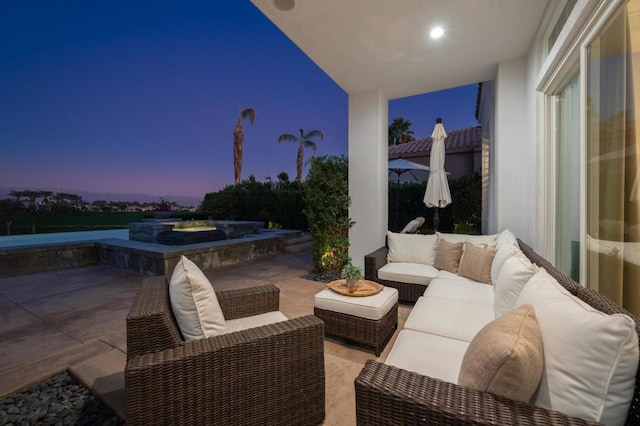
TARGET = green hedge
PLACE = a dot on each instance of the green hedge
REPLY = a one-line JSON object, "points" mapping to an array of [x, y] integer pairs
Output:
{"points": [[279, 205], [463, 215]]}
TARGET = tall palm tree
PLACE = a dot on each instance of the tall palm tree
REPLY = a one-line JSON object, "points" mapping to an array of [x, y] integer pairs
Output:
{"points": [[238, 141], [400, 132], [303, 141]]}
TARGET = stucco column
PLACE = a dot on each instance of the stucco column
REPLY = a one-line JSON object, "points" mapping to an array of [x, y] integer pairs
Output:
{"points": [[514, 172], [368, 175]]}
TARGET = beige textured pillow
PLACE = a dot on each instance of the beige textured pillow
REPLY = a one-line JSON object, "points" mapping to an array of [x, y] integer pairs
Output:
{"points": [[506, 357], [476, 262], [194, 303], [448, 256]]}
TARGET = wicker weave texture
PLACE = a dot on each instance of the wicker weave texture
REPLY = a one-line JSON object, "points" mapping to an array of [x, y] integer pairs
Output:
{"points": [[386, 395], [373, 333], [270, 375]]}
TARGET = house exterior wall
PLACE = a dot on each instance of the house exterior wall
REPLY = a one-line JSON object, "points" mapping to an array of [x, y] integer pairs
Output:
{"points": [[457, 164]]}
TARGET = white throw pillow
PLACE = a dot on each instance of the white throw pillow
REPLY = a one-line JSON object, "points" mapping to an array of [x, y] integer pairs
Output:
{"points": [[194, 303], [590, 357], [514, 274], [502, 254], [411, 248]]}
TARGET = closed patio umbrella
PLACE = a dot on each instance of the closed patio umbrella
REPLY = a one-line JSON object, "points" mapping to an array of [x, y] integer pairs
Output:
{"points": [[437, 194]]}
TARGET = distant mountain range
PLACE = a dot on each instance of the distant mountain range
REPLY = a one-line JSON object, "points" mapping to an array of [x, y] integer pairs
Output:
{"points": [[185, 201]]}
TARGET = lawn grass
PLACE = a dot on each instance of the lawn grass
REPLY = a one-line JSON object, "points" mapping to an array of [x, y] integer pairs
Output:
{"points": [[78, 221]]}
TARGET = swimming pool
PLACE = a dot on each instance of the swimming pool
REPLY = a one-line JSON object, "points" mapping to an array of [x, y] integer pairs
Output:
{"points": [[61, 237]]}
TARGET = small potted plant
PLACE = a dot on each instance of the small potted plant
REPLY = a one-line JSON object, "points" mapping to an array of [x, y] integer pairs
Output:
{"points": [[352, 274]]}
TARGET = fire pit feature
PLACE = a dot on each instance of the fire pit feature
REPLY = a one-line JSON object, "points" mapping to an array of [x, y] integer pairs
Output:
{"points": [[190, 232]]}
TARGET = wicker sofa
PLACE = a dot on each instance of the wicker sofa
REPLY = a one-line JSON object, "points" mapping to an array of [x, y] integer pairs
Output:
{"points": [[273, 374], [387, 394], [407, 268]]}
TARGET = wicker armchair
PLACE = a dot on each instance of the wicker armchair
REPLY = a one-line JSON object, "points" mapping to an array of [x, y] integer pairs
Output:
{"points": [[386, 395], [267, 375]]}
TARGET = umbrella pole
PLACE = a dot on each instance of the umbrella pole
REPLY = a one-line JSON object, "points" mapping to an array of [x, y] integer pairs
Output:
{"points": [[436, 220], [395, 222]]}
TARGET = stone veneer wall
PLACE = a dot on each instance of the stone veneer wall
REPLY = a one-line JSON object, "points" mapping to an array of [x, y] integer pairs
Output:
{"points": [[20, 260], [134, 256]]}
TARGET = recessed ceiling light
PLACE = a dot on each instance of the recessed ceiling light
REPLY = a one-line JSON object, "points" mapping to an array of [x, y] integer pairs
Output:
{"points": [[284, 5], [436, 32]]}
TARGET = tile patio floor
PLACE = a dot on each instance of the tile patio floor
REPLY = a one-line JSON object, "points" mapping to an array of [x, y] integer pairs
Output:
{"points": [[74, 319]]}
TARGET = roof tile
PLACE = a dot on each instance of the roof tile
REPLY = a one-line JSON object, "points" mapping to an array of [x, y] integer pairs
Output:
{"points": [[466, 139]]}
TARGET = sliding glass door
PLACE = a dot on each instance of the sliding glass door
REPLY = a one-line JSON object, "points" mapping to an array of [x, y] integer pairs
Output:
{"points": [[613, 163]]}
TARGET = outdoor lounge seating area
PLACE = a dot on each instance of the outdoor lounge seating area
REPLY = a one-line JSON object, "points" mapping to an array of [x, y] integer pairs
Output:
{"points": [[169, 374], [530, 346]]}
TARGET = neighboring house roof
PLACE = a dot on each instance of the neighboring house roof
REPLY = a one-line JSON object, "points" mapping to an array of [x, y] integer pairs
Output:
{"points": [[468, 139]]}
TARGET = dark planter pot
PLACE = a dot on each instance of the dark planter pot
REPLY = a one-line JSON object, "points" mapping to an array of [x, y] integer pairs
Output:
{"points": [[161, 214]]}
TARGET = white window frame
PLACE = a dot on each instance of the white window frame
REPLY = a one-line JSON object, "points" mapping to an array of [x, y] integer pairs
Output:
{"points": [[568, 54]]}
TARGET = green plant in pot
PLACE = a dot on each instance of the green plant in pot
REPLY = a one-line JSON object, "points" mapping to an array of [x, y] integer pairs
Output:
{"points": [[352, 274]]}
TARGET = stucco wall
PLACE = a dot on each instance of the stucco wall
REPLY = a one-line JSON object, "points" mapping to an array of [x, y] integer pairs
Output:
{"points": [[514, 186], [368, 189]]}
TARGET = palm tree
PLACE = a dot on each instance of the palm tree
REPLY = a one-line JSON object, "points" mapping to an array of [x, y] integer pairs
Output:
{"points": [[400, 132], [238, 140], [304, 141]]}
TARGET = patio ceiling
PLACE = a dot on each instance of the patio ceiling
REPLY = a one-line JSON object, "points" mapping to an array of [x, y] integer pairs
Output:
{"points": [[365, 45]]}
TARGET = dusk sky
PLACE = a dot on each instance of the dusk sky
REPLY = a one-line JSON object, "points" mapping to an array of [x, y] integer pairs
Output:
{"points": [[142, 97]]}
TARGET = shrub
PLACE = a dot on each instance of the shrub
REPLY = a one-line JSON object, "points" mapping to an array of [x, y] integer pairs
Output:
{"points": [[278, 205], [326, 195], [463, 215]]}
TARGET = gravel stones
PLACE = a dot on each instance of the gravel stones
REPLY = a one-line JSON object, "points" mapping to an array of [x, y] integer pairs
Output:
{"points": [[323, 278], [57, 401]]}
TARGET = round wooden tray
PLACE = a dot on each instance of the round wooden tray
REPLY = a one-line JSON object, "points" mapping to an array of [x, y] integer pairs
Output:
{"points": [[365, 288]]}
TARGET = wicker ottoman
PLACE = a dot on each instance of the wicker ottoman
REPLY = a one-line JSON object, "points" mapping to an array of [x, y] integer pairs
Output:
{"points": [[368, 320]]}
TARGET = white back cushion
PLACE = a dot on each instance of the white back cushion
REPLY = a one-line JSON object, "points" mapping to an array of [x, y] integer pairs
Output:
{"points": [[590, 357], [411, 248], [502, 254], [489, 240], [514, 274], [194, 303], [506, 238]]}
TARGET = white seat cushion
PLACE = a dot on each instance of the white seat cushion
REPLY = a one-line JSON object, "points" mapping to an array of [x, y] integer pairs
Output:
{"points": [[460, 289], [412, 273], [451, 276], [590, 358], [194, 303], [449, 318], [370, 307], [428, 354], [254, 321]]}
